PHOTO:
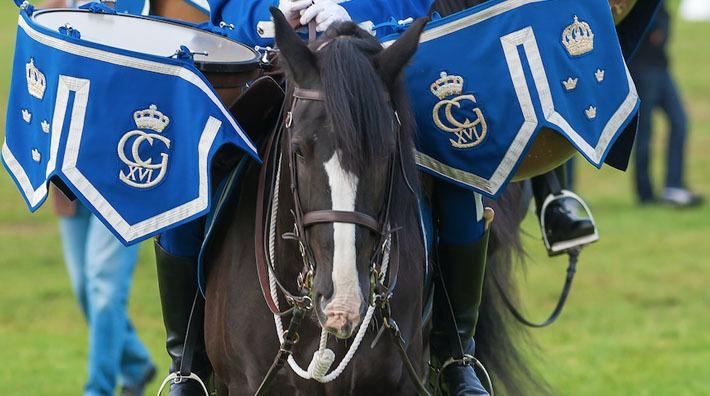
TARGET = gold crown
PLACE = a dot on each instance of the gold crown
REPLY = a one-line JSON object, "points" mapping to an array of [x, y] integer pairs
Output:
{"points": [[26, 115], [36, 155], [36, 83], [570, 83], [447, 85], [578, 38], [151, 118], [591, 112], [599, 74], [45, 126]]}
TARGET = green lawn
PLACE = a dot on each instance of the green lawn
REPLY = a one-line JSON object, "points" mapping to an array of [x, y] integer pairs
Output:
{"points": [[636, 322]]}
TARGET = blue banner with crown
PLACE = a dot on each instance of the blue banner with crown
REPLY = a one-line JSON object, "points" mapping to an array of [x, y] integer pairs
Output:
{"points": [[487, 79], [131, 135]]}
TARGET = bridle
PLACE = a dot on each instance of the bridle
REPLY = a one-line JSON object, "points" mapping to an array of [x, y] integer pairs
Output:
{"points": [[385, 250], [303, 220]]}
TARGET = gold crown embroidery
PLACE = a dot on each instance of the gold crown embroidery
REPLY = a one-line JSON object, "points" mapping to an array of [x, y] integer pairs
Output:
{"points": [[578, 38], [26, 115], [468, 133], [591, 112], [151, 118], [570, 83], [447, 85], [599, 75], [36, 82]]}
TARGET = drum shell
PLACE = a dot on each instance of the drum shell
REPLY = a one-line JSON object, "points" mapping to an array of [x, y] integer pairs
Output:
{"points": [[228, 74], [230, 86]]}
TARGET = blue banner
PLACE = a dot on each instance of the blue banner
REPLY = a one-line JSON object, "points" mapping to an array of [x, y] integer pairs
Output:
{"points": [[131, 135], [487, 79]]}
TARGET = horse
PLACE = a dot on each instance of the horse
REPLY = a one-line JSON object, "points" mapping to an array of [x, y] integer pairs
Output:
{"points": [[241, 339], [346, 83]]}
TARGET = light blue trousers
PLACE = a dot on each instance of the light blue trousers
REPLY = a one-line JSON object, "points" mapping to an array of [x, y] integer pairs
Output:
{"points": [[101, 268]]}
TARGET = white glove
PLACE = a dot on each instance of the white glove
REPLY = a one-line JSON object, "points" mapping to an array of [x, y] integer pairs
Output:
{"points": [[292, 10], [325, 13]]}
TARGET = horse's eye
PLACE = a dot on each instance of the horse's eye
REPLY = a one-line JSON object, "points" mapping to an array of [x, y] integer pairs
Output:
{"points": [[296, 148]]}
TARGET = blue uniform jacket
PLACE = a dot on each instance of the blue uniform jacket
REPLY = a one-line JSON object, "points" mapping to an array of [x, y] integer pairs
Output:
{"points": [[246, 15]]}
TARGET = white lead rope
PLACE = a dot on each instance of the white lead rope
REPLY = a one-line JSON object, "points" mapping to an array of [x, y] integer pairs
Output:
{"points": [[324, 357]]}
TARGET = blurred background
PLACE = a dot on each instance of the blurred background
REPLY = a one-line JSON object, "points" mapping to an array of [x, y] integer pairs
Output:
{"points": [[636, 322]]}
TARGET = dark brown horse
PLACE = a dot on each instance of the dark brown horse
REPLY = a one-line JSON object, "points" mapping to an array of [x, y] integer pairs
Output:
{"points": [[343, 176], [323, 162], [346, 84]]}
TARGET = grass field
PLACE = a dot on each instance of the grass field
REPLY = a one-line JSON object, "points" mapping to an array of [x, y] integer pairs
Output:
{"points": [[636, 322]]}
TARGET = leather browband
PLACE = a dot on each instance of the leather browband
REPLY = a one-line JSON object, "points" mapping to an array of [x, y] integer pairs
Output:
{"points": [[308, 94], [317, 95], [338, 216]]}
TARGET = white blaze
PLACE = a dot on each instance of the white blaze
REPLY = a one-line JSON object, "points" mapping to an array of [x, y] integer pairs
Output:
{"points": [[346, 288]]}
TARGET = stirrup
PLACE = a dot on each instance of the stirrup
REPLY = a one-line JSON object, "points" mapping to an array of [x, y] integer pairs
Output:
{"points": [[176, 378], [465, 360], [577, 242]]}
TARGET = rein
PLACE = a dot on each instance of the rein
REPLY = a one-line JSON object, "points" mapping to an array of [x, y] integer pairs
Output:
{"points": [[561, 300]]}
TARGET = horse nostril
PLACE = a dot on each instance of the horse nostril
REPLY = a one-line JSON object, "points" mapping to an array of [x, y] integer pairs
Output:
{"points": [[336, 320], [340, 323]]}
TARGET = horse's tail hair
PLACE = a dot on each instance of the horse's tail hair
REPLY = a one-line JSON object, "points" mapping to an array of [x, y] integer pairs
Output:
{"points": [[503, 345]]}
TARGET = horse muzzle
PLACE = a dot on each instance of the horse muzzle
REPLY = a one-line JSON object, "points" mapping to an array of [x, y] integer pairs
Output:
{"points": [[340, 317]]}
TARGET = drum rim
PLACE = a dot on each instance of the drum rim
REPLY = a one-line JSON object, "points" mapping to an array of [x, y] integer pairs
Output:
{"points": [[201, 65]]}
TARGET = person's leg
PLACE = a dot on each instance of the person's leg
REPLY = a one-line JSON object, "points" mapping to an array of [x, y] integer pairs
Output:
{"points": [[647, 85], [73, 231], [672, 104], [109, 269], [461, 252], [675, 191], [137, 368], [176, 253]]}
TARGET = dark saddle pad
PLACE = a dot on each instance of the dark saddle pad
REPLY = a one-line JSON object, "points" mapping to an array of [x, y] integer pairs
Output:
{"points": [[257, 111]]}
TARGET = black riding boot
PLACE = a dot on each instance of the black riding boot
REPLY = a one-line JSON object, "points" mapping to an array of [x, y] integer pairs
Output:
{"points": [[177, 281], [563, 228], [462, 268]]}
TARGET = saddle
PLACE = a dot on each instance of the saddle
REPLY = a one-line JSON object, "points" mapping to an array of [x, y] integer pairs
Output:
{"points": [[257, 110]]}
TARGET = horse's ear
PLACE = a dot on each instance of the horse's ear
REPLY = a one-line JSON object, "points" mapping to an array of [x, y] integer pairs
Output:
{"points": [[390, 62], [298, 59]]}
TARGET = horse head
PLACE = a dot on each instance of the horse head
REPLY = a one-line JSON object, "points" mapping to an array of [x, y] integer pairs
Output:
{"points": [[344, 142]]}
